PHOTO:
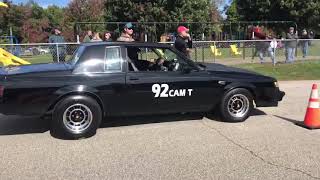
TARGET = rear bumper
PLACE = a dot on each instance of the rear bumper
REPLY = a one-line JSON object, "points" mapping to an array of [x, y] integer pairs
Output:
{"points": [[269, 97]]}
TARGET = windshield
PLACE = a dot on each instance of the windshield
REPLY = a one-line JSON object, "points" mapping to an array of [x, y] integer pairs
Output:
{"points": [[76, 55]]}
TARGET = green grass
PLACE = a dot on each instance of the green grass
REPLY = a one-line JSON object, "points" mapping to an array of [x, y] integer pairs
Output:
{"points": [[309, 70]]}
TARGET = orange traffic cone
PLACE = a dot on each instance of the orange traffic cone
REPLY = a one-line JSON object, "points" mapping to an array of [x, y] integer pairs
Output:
{"points": [[312, 118]]}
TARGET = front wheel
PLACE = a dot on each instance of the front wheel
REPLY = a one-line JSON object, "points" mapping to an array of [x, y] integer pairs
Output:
{"points": [[236, 105], [76, 117]]}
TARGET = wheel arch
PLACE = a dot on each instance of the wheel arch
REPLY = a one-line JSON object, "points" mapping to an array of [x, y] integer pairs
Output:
{"points": [[250, 87], [74, 92]]}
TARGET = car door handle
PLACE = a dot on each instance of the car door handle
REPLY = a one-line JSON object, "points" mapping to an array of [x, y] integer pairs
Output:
{"points": [[133, 78]]}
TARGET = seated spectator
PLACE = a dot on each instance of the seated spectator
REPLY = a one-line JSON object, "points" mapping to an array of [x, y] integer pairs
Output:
{"points": [[88, 37], [107, 36], [96, 38]]}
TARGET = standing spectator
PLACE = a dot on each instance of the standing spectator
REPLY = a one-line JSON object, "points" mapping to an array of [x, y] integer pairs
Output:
{"points": [[57, 50], [312, 35], [96, 38], [107, 37], [257, 35], [291, 45], [127, 33], [304, 42], [272, 51], [88, 37], [264, 47], [183, 42]]}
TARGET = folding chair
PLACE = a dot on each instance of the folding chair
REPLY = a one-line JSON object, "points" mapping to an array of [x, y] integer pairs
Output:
{"points": [[235, 50], [215, 51]]}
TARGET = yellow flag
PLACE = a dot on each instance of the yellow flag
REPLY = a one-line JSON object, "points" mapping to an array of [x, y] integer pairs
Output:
{"points": [[3, 4]]}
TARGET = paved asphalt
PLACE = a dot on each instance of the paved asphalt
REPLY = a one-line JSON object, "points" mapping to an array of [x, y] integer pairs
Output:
{"points": [[267, 146]]}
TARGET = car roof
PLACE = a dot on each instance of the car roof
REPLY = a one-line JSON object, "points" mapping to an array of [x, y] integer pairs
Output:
{"points": [[117, 43]]}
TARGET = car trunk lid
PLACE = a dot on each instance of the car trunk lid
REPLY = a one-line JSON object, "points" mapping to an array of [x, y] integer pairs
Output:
{"points": [[34, 68]]}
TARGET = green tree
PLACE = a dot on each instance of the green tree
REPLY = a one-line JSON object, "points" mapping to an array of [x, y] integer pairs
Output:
{"points": [[12, 17], [162, 11], [232, 12], [305, 13], [55, 15]]}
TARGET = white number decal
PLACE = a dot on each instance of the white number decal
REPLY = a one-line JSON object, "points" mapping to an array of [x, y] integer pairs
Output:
{"points": [[165, 90], [156, 89]]}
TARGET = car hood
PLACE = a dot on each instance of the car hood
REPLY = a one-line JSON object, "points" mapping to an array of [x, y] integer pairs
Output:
{"points": [[228, 71], [34, 68]]}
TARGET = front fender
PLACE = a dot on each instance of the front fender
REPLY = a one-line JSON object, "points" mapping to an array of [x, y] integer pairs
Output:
{"points": [[252, 88]]}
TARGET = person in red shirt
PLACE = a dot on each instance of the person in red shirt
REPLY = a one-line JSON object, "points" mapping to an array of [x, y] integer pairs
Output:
{"points": [[183, 41]]}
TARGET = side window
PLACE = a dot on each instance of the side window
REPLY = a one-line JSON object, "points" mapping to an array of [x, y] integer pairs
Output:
{"points": [[113, 59], [92, 61], [148, 54], [154, 59]]}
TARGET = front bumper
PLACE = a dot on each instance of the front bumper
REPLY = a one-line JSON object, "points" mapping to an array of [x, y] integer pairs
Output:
{"points": [[269, 97]]}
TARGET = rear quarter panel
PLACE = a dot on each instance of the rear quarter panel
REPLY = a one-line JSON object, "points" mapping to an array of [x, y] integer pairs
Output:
{"points": [[31, 94]]}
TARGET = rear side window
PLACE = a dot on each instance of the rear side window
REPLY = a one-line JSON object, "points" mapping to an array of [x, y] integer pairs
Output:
{"points": [[113, 59], [100, 59], [92, 60]]}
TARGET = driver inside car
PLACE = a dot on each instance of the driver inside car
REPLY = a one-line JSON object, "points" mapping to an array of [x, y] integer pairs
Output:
{"points": [[133, 58], [159, 65]]}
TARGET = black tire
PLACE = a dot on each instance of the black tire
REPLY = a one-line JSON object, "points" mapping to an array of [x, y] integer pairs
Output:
{"points": [[242, 102], [72, 110]]}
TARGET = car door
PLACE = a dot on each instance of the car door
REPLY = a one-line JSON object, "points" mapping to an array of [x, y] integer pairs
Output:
{"points": [[152, 92], [101, 72]]}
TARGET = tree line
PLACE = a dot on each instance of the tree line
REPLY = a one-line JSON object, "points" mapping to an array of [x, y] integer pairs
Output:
{"points": [[32, 23], [305, 13]]}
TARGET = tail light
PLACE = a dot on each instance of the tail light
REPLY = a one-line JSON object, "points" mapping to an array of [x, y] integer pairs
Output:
{"points": [[1, 90]]}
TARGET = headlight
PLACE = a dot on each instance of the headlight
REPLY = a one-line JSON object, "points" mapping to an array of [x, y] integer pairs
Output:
{"points": [[276, 84]]}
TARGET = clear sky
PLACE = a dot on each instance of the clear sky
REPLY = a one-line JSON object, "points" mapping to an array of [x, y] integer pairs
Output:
{"points": [[62, 3], [46, 3]]}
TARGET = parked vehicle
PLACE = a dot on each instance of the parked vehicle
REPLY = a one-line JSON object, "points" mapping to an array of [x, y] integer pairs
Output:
{"points": [[40, 50]]}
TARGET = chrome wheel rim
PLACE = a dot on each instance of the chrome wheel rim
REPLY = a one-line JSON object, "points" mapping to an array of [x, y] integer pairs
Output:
{"points": [[238, 106], [77, 118]]}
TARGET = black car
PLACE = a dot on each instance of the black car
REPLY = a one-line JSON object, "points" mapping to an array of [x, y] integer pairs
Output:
{"points": [[129, 79]]}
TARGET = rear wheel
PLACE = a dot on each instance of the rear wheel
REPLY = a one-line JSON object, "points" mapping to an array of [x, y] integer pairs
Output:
{"points": [[236, 105], [76, 117]]}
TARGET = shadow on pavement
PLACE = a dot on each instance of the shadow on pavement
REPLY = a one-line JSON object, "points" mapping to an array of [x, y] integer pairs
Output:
{"points": [[255, 112], [295, 122], [289, 120], [138, 120], [12, 125]]}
